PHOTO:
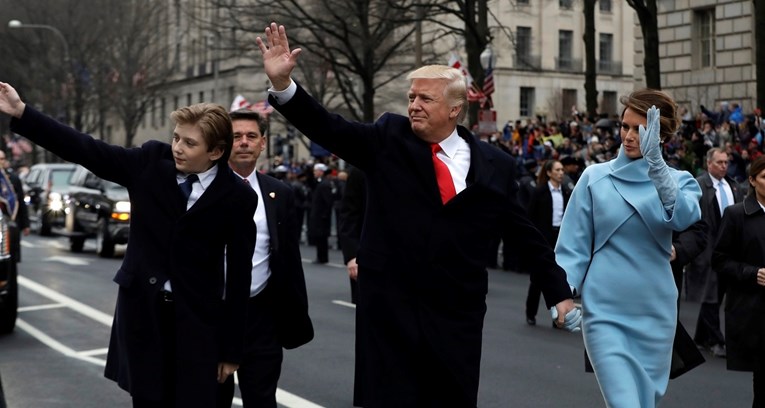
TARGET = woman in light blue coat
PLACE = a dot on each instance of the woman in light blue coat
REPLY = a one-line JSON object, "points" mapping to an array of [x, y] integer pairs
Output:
{"points": [[615, 244]]}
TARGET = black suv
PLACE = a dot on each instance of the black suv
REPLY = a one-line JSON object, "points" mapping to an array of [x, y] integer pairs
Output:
{"points": [[47, 186], [96, 208], [9, 290]]}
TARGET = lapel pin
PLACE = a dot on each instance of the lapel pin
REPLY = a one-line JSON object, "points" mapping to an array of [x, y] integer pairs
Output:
{"points": [[272, 194]]}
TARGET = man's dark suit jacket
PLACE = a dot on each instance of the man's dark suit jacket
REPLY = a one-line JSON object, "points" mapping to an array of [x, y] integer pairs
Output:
{"points": [[286, 285], [540, 208], [702, 281], [422, 264], [352, 214], [168, 242]]}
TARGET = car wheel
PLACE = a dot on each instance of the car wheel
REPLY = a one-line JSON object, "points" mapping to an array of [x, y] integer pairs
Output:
{"points": [[104, 241], [76, 244], [44, 223], [9, 300]]}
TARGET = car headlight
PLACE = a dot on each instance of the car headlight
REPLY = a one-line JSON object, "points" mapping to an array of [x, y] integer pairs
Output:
{"points": [[55, 202], [122, 206], [121, 211]]}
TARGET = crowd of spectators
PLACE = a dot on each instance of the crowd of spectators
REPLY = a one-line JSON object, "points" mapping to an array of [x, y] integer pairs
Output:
{"points": [[583, 140]]}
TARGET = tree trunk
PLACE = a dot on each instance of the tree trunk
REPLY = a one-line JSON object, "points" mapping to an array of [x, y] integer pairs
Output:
{"points": [[759, 23], [649, 25], [590, 71], [477, 30]]}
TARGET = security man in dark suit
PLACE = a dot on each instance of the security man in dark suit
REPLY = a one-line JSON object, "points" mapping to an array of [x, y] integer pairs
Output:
{"points": [[277, 313], [436, 198], [704, 284], [179, 321]]}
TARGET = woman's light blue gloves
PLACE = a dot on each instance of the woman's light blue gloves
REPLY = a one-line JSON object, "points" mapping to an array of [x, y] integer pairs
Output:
{"points": [[572, 321], [658, 171]]}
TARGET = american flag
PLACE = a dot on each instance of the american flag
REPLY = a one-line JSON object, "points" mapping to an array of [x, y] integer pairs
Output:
{"points": [[488, 83], [474, 93]]}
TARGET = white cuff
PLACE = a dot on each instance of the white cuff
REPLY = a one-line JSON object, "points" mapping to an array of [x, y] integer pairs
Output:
{"points": [[285, 95]]}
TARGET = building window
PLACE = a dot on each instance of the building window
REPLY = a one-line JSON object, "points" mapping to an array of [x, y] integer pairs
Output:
{"points": [[162, 112], [153, 113], [704, 30], [606, 52], [175, 103], [569, 100], [523, 2], [565, 45], [527, 102], [608, 104], [566, 4], [523, 42], [605, 6], [188, 99], [201, 96]]}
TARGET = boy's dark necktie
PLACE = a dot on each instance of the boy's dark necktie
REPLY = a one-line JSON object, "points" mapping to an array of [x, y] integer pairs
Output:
{"points": [[187, 185]]}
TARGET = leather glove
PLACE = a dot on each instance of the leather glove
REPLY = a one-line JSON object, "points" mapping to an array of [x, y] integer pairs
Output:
{"points": [[658, 171], [572, 321]]}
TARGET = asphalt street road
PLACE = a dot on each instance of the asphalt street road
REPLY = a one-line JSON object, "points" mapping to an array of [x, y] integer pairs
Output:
{"points": [[55, 357]]}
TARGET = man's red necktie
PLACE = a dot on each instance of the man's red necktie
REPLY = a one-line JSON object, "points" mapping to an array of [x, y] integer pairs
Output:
{"points": [[443, 176]]}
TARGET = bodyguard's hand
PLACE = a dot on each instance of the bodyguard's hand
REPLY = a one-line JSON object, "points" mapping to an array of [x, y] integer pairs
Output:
{"points": [[226, 369], [353, 269], [10, 103], [278, 59], [567, 316], [761, 276], [650, 142]]}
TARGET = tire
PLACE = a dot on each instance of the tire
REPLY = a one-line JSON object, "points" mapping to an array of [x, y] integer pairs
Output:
{"points": [[104, 241], [76, 244], [9, 301]]}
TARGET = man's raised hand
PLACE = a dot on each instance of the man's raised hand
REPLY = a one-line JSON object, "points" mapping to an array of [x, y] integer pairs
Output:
{"points": [[278, 60]]}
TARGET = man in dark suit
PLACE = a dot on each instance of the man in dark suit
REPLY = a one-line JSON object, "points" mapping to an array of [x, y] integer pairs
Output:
{"points": [[322, 205], [545, 207], [427, 232], [352, 212], [351, 220], [277, 313], [717, 192], [179, 321]]}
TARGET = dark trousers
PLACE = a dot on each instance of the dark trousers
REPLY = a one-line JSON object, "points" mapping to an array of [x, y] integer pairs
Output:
{"points": [[708, 326], [167, 320], [262, 363], [322, 248], [758, 380], [532, 297]]}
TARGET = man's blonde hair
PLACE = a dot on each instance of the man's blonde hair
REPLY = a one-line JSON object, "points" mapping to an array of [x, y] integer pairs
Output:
{"points": [[455, 90]]}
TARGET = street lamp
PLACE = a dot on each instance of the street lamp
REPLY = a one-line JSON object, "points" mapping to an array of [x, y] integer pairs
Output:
{"points": [[487, 58], [19, 24]]}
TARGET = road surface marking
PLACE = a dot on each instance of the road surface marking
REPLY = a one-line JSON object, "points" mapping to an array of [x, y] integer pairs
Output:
{"points": [[78, 307], [69, 260], [40, 307], [283, 398], [344, 303]]}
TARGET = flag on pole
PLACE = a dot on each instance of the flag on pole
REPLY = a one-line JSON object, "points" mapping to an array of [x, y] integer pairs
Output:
{"points": [[474, 93], [488, 83], [239, 103], [262, 107]]}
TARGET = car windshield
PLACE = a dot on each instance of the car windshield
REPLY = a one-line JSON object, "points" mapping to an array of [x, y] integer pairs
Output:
{"points": [[109, 185], [60, 177]]}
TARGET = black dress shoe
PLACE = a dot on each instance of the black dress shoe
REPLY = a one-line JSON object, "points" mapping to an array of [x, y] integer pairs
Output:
{"points": [[318, 262], [531, 321]]}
